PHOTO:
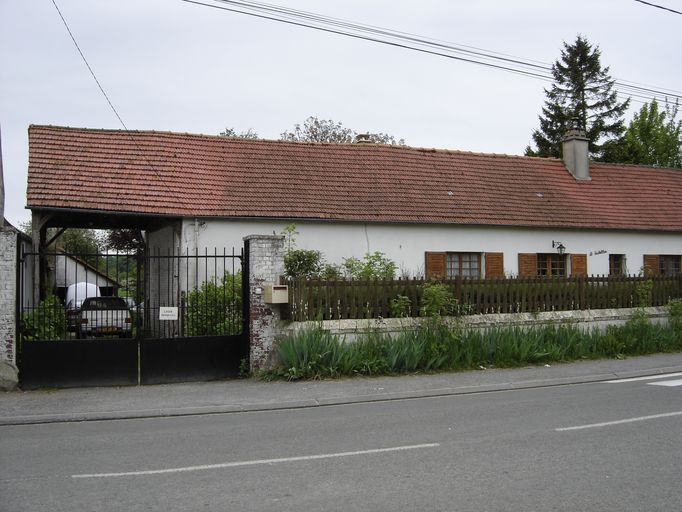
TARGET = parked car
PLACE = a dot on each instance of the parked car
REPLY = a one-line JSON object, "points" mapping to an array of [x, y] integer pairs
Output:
{"points": [[75, 295], [101, 316]]}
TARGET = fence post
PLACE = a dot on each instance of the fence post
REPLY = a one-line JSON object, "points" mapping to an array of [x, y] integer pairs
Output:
{"points": [[264, 266], [582, 291]]}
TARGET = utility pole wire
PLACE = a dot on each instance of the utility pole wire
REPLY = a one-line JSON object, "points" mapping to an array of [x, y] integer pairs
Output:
{"points": [[141, 152], [472, 55], [658, 6], [88, 65]]}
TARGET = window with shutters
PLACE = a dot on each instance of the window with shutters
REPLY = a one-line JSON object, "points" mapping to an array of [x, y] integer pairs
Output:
{"points": [[551, 265], [616, 264], [465, 264], [450, 265], [669, 265]]}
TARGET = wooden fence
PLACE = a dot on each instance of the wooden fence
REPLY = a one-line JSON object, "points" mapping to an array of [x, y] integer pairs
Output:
{"points": [[330, 300]]}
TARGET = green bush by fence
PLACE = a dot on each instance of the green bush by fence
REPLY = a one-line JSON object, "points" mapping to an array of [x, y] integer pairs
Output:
{"points": [[314, 299], [215, 307], [45, 322]]}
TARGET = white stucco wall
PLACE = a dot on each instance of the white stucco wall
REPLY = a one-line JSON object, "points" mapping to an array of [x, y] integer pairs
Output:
{"points": [[68, 271], [406, 243]]}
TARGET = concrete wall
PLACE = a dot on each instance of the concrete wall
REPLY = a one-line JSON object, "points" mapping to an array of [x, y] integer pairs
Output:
{"points": [[8, 296], [585, 320], [406, 243]]}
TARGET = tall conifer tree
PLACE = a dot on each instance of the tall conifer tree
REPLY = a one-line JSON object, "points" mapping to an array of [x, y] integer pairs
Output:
{"points": [[582, 96]]}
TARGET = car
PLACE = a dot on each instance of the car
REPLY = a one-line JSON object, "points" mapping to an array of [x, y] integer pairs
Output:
{"points": [[75, 295], [102, 316]]}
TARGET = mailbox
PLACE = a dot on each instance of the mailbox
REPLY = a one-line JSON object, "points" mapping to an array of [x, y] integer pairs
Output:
{"points": [[276, 294]]}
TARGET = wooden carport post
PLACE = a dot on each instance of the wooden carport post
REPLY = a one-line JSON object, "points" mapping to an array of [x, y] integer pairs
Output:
{"points": [[39, 237]]}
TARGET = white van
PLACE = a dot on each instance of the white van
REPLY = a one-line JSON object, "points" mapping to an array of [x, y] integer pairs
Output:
{"points": [[75, 295]]}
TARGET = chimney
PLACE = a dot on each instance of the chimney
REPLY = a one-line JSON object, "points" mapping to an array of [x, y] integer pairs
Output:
{"points": [[363, 138], [575, 149]]}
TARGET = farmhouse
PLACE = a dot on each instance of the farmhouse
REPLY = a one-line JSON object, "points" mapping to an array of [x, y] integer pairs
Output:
{"points": [[438, 212]]}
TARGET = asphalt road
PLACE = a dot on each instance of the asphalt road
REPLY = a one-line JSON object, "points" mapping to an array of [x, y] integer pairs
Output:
{"points": [[587, 447]]}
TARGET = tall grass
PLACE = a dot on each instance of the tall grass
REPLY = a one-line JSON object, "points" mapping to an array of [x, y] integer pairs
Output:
{"points": [[438, 346]]}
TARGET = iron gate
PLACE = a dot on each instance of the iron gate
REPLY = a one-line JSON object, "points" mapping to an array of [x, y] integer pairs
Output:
{"points": [[185, 318]]}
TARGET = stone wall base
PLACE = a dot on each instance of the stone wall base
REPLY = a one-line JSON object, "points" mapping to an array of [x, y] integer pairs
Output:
{"points": [[585, 320]]}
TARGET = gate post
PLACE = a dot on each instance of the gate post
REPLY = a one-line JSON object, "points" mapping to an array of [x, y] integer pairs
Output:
{"points": [[265, 261], [9, 378]]}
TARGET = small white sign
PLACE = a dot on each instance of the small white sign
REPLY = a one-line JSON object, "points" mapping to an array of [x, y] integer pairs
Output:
{"points": [[168, 313]]}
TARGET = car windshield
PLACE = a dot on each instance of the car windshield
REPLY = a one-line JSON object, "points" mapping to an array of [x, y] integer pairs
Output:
{"points": [[104, 303]]}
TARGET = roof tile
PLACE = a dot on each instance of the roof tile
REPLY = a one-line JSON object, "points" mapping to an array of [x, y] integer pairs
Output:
{"points": [[197, 175]]}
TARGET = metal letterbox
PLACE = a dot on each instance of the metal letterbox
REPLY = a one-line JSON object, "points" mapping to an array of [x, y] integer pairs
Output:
{"points": [[276, 294]]}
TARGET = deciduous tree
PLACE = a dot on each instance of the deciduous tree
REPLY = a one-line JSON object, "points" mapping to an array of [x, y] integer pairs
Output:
{"points": [[326, 130], [653, 137]]}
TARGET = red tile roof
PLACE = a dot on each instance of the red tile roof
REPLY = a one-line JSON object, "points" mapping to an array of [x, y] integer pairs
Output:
{"points": [[180, 174]]}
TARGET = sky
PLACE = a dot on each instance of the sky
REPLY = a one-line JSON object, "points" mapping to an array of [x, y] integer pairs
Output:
{"points": [[170, 65]]}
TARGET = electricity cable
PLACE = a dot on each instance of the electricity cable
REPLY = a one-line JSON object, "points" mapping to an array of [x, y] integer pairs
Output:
{"points": [[125, 128], [639, 93]]}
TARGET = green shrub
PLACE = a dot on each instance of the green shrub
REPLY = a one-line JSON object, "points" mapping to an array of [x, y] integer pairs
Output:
{"points": [[400, 306], [331, 272], [46, 322], [303, 263], [675, 312], [373, 266], [437, 300], [215, 308]]}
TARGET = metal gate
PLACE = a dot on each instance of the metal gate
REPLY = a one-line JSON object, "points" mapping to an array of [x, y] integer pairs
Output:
{"points": [[186, 318]]}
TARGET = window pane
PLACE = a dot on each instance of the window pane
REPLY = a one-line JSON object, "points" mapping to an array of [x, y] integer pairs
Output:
{"points": [[453, 265], [616, 264], [465, 264], [669, 265], [543, 264], [551, 265]]}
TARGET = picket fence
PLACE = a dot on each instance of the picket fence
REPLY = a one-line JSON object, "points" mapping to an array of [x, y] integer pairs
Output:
{"points": [[314, 299]]}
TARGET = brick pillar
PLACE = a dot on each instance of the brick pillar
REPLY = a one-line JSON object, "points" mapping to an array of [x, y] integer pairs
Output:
{"points": [[8, 297], [265, 261]]}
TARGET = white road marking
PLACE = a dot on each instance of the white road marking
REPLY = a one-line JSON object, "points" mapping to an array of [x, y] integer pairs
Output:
{"points": [[668, 383], [620, 422], [651, 377], [258, 462]]}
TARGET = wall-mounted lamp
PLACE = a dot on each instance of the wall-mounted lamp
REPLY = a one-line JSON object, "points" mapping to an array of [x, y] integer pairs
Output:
{"points": [[560, 248]]}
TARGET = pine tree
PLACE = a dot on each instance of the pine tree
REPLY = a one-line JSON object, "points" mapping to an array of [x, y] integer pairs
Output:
{"points": [[582, 96]]}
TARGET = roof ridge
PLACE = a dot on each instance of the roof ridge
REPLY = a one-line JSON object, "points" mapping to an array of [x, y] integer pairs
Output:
{"points": [[374, 145]]}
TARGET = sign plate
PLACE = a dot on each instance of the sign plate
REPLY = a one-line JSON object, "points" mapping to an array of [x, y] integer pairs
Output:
{"points": [[168, 313]]}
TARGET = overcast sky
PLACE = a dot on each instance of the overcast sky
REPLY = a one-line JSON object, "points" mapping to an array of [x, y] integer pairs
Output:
{"points": [[173, 66]]}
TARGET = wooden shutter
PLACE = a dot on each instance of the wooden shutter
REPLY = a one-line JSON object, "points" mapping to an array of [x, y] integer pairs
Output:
{"points": [[652, 263], [578, 264], [494, 264], [435, 265], [528, 264]]}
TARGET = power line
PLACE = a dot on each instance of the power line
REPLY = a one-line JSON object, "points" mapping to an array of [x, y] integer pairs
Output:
{"points": [[88, 65], [639, 93], [142, 154], [372, 39], [658, 6]]}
